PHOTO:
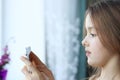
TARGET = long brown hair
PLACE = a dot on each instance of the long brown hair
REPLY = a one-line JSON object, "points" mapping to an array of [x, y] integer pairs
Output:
{"points": [[105, 16]]}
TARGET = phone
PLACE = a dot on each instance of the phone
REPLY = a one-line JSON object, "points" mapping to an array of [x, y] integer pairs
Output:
{"points": [[32, 57], [28, 51]]}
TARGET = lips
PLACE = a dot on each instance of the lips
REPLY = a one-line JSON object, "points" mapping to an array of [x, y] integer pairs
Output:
{"points": [[88, 53]]}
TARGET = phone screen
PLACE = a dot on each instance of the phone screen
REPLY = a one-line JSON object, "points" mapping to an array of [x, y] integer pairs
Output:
{"points": [[28, 50]]}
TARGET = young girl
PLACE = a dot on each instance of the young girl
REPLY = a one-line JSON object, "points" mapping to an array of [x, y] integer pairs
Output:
{"points": [[102, 44]]}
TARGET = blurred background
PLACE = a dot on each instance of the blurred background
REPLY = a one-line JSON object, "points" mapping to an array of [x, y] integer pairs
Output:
{"points": [[53, 29]]}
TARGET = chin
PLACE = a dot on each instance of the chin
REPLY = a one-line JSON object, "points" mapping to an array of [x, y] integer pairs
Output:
{"points": [[93, 64]]}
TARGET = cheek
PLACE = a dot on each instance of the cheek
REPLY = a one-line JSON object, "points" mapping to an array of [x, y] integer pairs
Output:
{"points": [[98, 59], [99, 55], [96, 46]]}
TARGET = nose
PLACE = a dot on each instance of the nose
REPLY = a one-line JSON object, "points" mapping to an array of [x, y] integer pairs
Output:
{"points": [[85, 42]]}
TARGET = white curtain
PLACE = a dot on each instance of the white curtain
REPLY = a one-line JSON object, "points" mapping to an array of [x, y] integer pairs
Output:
{"points": [[36, 22], [22, 26], [0, 23], [62, 43]]}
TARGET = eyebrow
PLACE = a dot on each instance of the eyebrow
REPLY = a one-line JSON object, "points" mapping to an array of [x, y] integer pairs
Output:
{"points": [[90, 28]]}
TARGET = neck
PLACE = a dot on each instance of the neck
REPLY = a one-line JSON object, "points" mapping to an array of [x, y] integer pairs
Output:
{"points": [[111, 71]]}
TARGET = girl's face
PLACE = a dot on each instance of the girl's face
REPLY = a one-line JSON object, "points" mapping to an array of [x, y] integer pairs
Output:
{"points": [[97, 55]]}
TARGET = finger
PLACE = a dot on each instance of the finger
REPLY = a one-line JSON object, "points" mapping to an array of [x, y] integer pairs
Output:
{"points": [[26, 73], [36, 75], [25, 60], [29, 65]]}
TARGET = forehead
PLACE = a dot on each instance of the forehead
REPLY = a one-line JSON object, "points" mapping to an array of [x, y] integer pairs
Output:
{"points": [[88, 22]]}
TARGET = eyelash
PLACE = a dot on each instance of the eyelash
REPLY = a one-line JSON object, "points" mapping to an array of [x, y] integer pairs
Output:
{"points": [[92, 35]]}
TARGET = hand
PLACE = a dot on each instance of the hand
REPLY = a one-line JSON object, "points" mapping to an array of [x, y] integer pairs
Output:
{"points": [[35, 69]]}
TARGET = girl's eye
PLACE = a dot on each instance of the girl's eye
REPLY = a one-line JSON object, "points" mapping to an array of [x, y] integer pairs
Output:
{"points": [[92, 35]]}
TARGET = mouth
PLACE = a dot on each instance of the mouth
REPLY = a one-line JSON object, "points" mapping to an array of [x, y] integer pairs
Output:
{"points": [[88, 53]]}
